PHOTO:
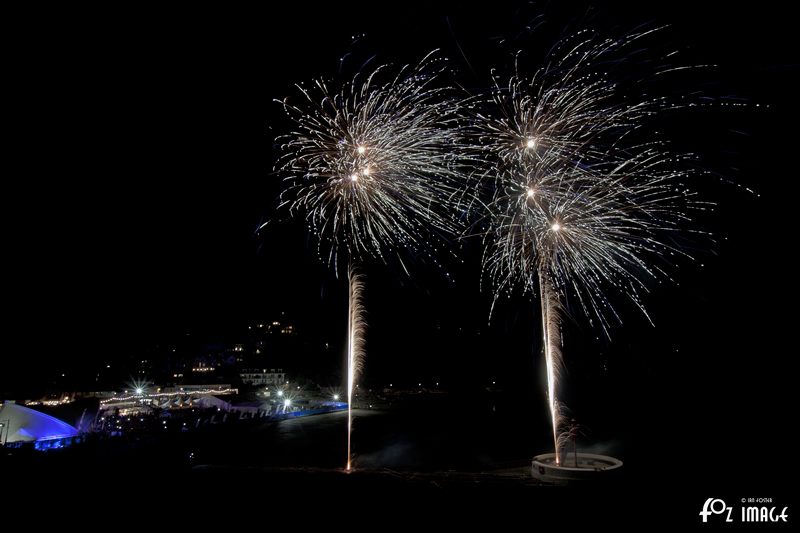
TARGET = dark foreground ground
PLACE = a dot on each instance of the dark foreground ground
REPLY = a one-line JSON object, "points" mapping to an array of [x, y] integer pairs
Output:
{"points": [[442, 459]]}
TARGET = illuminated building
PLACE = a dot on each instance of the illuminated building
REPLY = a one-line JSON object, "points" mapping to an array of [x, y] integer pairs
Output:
{"points": [[264, 376]]}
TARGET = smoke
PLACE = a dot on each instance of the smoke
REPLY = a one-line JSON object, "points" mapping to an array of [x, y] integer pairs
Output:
{"points": [[610, 447], [398, 455]]}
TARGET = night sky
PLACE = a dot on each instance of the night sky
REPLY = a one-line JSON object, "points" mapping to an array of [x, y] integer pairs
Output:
{"points": [[144, 146]]}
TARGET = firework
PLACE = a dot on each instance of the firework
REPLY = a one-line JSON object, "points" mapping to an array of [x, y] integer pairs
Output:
{"points": [[578, 207], [373, 167]]}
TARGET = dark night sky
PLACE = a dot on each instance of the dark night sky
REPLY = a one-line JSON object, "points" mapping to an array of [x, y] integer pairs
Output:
{"points": [[144, 150]]}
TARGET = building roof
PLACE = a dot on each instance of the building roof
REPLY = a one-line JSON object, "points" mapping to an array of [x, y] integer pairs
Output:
{"points": [[27, 425]]}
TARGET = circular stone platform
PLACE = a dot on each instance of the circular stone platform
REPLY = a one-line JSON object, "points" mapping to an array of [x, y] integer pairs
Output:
{"points": [[590, 467]]}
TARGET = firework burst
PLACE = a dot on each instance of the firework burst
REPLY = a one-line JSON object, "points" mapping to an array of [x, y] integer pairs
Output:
{"points": [[374, 167], [578, 207]]}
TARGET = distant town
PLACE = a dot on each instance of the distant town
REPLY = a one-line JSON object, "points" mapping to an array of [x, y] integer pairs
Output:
{"points": [[189, 385]]}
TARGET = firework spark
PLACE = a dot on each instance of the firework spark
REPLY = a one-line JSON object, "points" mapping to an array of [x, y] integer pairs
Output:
{"points": [[578, 208]]}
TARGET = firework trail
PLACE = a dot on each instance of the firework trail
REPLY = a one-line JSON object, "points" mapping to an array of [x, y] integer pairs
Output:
{"points": [[355, 346], [578, 207], [551, 335], [374, 168]]}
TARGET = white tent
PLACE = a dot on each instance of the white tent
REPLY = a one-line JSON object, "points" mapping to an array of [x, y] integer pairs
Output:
{"points": [[23, 424]]}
